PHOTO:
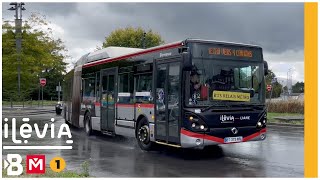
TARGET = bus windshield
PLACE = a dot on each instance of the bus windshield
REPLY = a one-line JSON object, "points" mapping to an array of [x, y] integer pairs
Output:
{"points": [[228, 81]]}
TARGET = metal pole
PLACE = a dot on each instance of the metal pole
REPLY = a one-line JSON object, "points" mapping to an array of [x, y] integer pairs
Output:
{"points": [[39, 96], [42, 96], [18, 35], [18, 46], [59, 92]]}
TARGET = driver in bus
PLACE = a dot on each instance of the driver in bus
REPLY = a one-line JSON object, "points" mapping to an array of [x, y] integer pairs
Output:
{"points": [[194, 83]]}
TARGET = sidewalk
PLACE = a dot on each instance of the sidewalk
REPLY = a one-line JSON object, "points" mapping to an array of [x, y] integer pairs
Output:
{"points": [[20, 107], [19, 110], [288, 121]]}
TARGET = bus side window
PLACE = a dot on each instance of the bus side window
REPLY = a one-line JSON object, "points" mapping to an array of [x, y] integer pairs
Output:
{"points": [[124, 86], [89, 87], [144, 88]]}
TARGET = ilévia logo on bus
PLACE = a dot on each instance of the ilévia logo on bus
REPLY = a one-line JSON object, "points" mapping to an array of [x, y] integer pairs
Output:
{"points": [[231, 118]]}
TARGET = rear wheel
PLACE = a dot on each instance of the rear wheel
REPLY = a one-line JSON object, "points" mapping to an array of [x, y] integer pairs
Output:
{"points": [[143, 135], [87, 124]]}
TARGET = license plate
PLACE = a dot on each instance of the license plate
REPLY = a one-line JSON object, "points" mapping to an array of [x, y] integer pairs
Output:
{"points": [[233, 139]]}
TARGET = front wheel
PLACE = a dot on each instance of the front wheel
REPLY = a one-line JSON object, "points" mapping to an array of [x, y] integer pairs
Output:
{"points": [[87, 124], [143, 135]]}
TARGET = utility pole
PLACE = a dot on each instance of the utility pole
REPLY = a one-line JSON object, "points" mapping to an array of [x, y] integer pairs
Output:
{"points": [[18, 7], [289, 81], [59, 92]]}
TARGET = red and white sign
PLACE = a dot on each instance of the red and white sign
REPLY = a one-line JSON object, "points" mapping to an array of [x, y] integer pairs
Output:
{"points": [[43, 81], [36, 164], [269, 87]]}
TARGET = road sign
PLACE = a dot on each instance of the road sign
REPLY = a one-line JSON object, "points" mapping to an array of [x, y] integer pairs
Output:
{"points": [[43, 81], [269, 87]]}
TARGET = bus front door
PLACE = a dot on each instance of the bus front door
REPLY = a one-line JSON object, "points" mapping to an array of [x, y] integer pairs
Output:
{"points": [[168, 102], [108, 98]]}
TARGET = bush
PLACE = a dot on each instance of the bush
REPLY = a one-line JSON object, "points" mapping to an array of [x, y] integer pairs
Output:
{"points": [[286, 106]]}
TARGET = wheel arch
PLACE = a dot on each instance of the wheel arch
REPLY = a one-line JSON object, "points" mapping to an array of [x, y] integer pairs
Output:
{"points": [[140, 117]]}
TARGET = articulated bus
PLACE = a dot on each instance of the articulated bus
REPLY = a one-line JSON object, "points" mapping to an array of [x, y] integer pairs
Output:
{"points": [[189, 94]]}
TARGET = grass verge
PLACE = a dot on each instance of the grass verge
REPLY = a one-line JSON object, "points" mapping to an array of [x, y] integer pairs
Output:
{"points": [[271, 118], [29, 103]]}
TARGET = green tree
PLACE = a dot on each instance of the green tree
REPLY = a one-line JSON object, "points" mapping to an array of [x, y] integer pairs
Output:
{"points": [[276, 87], [298, 87], [132, 37], [40, 52]]}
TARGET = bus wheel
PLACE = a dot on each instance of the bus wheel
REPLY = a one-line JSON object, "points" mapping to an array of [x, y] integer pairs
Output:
{"points": [[143, 135], [87, 124]]}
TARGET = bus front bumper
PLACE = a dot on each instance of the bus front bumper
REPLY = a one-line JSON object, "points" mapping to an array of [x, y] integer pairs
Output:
{"points": [[191, 139]]}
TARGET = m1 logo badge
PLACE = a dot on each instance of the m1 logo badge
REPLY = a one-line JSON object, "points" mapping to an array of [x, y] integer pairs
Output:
{"points": [[36, 164]]}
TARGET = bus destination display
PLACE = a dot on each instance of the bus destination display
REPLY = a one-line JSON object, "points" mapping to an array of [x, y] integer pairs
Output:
{"points": [[221, 51]]}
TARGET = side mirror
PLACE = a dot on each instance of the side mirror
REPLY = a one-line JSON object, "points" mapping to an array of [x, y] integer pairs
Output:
{"points": [[186, 61], [265, 67]]}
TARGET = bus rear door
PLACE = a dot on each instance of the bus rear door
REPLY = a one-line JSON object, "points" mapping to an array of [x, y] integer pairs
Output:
{"points": [[108, 98]]}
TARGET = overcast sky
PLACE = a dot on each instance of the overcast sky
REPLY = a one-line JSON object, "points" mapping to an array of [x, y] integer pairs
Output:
{"points": [[277, 27]]}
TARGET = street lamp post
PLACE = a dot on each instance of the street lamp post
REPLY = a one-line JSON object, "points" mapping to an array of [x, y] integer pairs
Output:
{"points": [[289, 81], [18, 7]]}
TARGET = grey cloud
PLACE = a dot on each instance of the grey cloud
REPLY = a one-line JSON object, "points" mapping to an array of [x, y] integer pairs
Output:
{"points": [[277, 27]]}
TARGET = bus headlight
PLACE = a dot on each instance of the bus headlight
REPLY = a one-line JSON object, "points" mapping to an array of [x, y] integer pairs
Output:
{"points": [[197, 124], [259, 124], [262, 121]]}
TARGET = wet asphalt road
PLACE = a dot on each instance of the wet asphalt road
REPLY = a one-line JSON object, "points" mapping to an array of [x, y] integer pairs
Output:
{"points": [[280, 155]]}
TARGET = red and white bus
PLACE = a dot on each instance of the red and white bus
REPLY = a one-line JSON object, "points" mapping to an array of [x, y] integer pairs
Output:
{"points": [[190, 94]]}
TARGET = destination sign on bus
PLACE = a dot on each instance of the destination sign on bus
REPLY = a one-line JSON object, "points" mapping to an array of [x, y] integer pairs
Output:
{"points": [[226, 51], [221, 51], [230, 96]]}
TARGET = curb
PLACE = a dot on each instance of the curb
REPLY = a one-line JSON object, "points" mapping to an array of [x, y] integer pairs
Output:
{"points": [[285, 125]]}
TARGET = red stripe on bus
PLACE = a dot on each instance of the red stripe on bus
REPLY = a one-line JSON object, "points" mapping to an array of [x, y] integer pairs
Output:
{"points": [[136, 105], [97, 104], [213, 138], [125, 105], [144, 105], [217, 139], [191, 134], [103, 61], [254, 135]]}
